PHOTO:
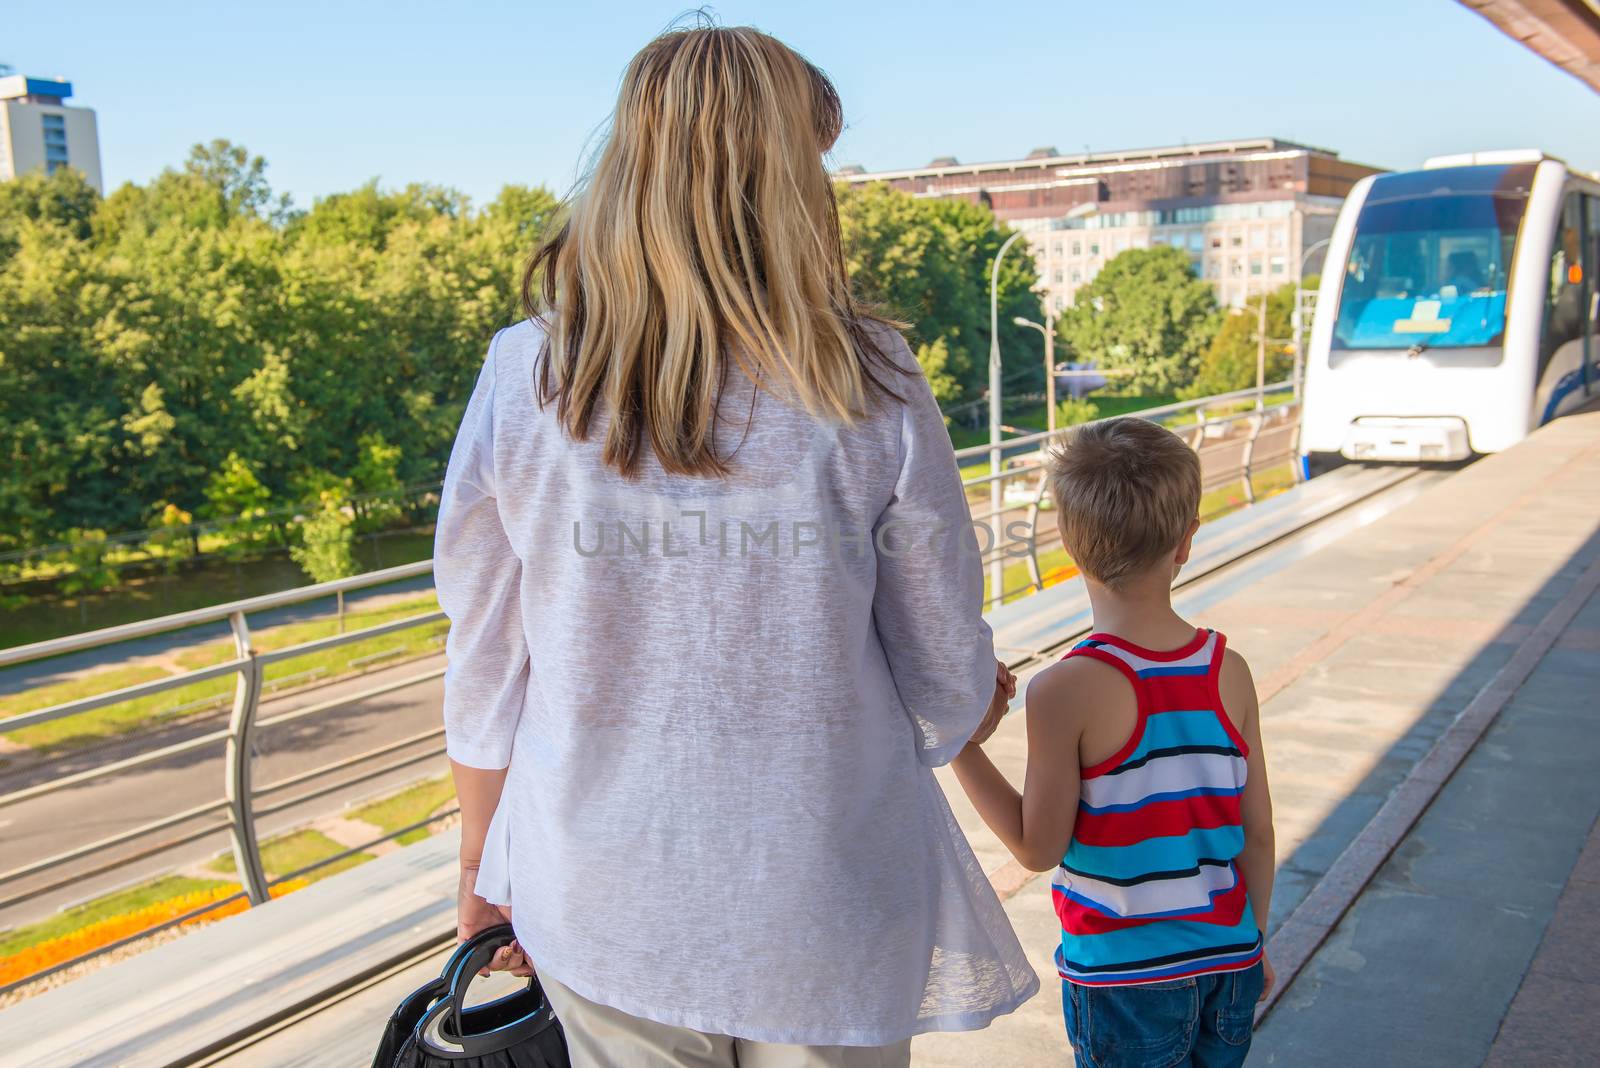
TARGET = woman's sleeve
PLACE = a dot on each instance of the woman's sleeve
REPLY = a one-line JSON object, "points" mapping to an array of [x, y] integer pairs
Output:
{"points": [[929, 600], [479, 581]]}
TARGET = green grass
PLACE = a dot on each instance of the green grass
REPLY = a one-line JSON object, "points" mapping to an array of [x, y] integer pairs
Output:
{"points": [[291, 852], [336, 659], [1109, 405], [141, 712], [102, 908], [407, 807], [111, 720]]}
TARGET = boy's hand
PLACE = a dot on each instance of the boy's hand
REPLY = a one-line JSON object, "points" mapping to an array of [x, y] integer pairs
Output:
{"points": [[1005, 688], [1269, 978]]}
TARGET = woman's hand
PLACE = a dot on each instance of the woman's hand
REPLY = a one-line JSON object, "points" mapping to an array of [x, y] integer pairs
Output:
{"points": [[474, 914], [1005, 688]]}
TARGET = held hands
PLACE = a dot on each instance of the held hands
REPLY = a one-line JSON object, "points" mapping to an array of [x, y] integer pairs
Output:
{"points": [[474, 914], [1005, 688]]}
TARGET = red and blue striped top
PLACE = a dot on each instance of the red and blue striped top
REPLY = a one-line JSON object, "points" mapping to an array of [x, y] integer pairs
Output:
{"points": [[1149, 889]]}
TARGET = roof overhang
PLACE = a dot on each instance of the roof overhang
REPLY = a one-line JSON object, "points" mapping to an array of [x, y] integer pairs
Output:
{"points": [[1565, 32]]}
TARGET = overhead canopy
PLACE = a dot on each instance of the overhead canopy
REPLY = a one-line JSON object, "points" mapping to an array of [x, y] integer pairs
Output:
{"points": [[1566, 32]]}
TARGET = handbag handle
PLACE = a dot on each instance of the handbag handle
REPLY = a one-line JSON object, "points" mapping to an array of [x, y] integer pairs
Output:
{"points": [[494, 937], [464, 949], [473, 954]]}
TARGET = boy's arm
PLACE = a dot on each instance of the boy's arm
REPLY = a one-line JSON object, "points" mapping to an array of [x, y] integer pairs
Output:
{"points": [[1035, 825], [1258, 861]]}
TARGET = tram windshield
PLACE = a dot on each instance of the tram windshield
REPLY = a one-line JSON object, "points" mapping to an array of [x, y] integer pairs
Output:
{"points": [[1431, 259]]}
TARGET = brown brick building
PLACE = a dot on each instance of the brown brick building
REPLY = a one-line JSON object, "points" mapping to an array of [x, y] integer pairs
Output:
{"points": [[1244, 211]]}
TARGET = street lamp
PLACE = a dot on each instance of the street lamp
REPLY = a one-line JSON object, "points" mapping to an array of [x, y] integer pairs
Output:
{"points": [[1298, 315], [996, 566], [1049, 332]]}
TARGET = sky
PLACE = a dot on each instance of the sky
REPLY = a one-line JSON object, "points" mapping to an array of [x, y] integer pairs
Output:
{"points": [[477, 93]]}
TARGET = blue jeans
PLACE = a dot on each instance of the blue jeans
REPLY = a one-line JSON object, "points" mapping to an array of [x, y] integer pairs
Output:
{"points": [[1200, 1022]]}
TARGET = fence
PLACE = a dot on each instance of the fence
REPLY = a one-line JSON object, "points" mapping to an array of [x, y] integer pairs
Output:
{"points": [[1233, 445], [243, 803]]}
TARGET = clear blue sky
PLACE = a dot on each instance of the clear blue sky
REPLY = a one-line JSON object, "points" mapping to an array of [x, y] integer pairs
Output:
{"points": [[482, 92]]}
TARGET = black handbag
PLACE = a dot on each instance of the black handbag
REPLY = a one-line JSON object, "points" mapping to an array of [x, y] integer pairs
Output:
{"points": [[434, 1028]]}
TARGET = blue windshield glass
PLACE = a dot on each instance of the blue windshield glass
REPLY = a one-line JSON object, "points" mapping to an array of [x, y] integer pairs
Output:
{"points": [[1431, 259]]}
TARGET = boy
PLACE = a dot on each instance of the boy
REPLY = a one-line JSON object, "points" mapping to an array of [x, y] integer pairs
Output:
{"points": [[1145, 788]]}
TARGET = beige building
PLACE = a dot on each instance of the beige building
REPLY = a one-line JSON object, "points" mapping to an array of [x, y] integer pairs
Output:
{"points": [[39, 132], [1245, 212]]}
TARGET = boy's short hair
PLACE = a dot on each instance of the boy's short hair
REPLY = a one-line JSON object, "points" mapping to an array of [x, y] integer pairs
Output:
{"points": [[1126, 491]]}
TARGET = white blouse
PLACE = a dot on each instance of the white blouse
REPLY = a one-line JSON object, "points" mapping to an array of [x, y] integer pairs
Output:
{"points": [[720, 702]]}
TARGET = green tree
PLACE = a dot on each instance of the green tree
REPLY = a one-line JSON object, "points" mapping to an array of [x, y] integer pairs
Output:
{"points": [[190, 342], [376, 481], [1229, 362], [64, 199], [927, 262], [1075, 410], [327, 546], [84, 557], [173, 537], [235, 495], [934, 360], [85, 567], [1145, 312], [238, 177]]}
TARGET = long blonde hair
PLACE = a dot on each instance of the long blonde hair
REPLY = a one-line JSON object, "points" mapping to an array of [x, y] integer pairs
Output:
{"points": [[706, 231]]}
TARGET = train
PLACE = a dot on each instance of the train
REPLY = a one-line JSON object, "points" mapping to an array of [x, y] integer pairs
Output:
{"points": [[1457, 311]]}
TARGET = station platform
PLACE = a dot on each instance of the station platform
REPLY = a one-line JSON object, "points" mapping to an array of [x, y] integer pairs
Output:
{"points": [[1428, 656], [1430, 687]]}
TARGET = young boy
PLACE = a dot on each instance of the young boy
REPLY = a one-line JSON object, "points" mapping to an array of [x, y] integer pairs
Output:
{"points": [[1145, 788]]}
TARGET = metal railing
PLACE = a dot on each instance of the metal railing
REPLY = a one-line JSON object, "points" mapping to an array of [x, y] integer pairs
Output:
{"points": [[243, 802], [1232, 444], [1237, 435]]}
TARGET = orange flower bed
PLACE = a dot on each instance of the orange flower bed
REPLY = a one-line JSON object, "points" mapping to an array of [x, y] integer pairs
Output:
{"points": [[1058, 574], [86, 939]]}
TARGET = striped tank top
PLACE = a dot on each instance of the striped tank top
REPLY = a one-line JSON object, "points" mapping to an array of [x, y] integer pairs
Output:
{"points": [[1149, 889]]}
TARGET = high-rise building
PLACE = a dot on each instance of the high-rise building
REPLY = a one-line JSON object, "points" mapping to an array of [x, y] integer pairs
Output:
{"points": [[39, 132], [1245, 212]]}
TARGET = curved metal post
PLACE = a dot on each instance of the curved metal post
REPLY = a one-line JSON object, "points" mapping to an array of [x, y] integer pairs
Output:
{"points": [[1034, 571], [1249, 456], [246, 699]]}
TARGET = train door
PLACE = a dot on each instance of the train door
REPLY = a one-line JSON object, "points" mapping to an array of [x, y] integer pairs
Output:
{"points": [[1566, 375], [1591, 279]]}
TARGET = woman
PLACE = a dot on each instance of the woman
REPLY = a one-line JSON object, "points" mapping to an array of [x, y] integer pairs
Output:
{"points": [[714, 601]]}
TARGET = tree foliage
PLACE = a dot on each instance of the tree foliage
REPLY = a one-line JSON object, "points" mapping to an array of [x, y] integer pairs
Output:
{"points": [[159, 343], [1145, 312], [927, 262], [326, 550], [195, 346], [1229, 362]]}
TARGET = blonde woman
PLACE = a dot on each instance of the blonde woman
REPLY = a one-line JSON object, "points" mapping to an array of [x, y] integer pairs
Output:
{"points": [[714, 601]]}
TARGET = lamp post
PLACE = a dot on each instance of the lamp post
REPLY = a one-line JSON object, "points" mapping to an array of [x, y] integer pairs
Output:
{"points": [[996, 565], [1298, 315], [1049, 332]]}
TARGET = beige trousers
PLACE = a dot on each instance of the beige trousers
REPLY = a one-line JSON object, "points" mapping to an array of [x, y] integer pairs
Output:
{"points": [[599, 1036]]}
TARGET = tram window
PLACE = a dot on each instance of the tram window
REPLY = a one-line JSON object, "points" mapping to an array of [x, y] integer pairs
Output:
{"points": [[1564, 310], [1429, 271]]}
